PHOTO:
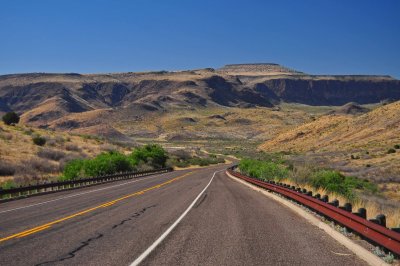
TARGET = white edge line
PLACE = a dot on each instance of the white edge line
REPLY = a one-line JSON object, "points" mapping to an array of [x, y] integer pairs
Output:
{"points": [[358, 250], [79, 194], [169, 230]]}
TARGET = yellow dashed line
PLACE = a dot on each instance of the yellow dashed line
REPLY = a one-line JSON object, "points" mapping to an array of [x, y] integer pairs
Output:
{"points": [[104, 205]]}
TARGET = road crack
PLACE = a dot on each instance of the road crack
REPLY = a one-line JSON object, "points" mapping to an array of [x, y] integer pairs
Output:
{"points": [[134, 216], [85, 243], [72, 254]]}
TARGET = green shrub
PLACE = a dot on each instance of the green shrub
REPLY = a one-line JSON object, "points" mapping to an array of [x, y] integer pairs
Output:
{"points": [[10, 118], [103, 164], [147, 157], [330, 180], [336, 182], [265, 170], [397, 146], [391, 150], [38, 140], [107, 163], [8, 184], [73, 169], [151, 154]]}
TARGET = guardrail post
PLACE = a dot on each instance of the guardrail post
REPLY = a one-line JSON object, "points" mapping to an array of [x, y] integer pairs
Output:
{"points": [[348, 207], [382, 219], [325, 198], [362, 212], [335, 203]]}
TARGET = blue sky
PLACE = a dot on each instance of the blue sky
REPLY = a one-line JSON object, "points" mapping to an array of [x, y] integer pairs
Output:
{"points": [[314, 36]]}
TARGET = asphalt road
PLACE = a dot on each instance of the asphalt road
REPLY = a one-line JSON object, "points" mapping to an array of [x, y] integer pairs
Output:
{"points": [[113, 224]]}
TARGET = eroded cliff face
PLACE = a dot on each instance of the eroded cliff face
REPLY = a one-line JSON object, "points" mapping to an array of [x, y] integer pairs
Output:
{"points": [[263, 85], [331, 91]]}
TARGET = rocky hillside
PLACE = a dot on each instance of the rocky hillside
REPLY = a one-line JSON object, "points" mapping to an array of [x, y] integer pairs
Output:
{"points": [[379, 128], [75, 101], [331, 90], [365, 145]]}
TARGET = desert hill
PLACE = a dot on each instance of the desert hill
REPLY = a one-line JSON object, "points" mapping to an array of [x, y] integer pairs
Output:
{"points": [[147, 103], [377, 128], [364, 145]]}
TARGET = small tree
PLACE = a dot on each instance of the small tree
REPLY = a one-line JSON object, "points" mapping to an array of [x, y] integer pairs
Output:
{"points": [[38, 140], [10, 118]]}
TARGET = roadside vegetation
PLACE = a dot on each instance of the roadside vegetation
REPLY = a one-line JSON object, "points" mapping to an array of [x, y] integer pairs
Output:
{"points": [[143, 158], [359, 192], [329, 180], [184, 159], [30, 155]]}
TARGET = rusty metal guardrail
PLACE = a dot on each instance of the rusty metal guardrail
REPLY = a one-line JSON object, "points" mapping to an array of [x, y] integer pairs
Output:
{"points": [[19, 192], [373, 230]]}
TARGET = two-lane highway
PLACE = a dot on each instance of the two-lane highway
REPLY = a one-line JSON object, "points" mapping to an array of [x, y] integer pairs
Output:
{"points": [[116, 223]]}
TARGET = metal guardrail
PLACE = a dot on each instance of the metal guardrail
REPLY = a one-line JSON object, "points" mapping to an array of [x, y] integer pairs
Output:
{"points": [[26, 191], [373, 230]]}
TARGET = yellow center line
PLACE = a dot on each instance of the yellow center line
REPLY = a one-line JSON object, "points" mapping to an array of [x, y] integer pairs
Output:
{"points": [[34, 231], [104, 205]]}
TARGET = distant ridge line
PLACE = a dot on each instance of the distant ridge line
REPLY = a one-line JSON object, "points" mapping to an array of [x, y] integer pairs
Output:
{"points": [[245, 64]]}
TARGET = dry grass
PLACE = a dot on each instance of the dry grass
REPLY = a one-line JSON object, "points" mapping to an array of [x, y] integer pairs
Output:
{"points": [[237, 123], [377, 129], [54, 155], [30, 162], [373, 207], [331, 141]]}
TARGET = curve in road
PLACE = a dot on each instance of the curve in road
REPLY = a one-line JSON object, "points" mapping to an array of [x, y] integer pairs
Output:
{"points": [[223, 223]]}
